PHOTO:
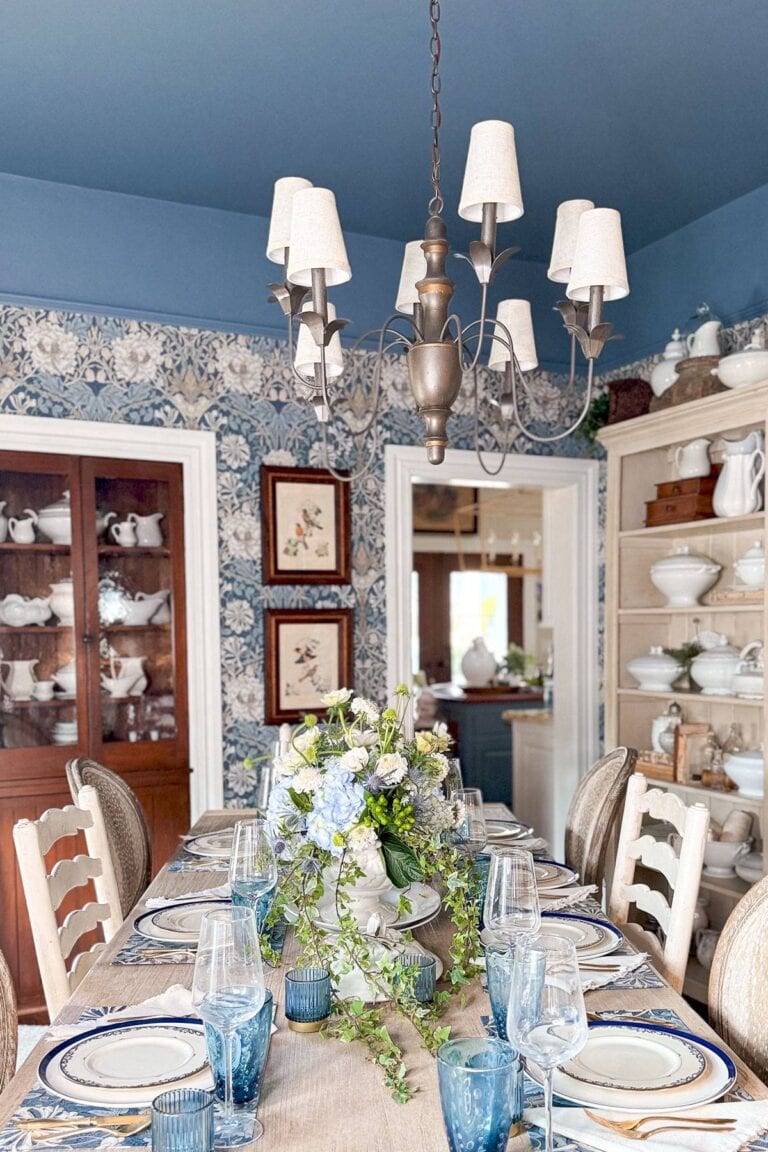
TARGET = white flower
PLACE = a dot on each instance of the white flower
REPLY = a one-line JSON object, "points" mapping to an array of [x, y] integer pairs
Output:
{"points": [[241, 369], [362, 707], [441, 765], [289, 764], [307, 780], [357, 739], [279, 457], [392, 767], [355, 759], [51, 348], [361, 840], [443, 738], [137, 356], [242, 535], [306, 740], [340, 696], [234, 450], [245, 697], [238, 615]]}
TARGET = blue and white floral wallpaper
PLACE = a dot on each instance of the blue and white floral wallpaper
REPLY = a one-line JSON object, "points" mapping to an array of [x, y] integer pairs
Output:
{"points": [[73, 366]]}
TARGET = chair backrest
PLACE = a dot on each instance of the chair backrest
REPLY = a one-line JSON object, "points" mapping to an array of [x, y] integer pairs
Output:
{"points": [[682, 873], [126, 827], [61, 966], [9, 1024], [595, 812], [737, 981]]}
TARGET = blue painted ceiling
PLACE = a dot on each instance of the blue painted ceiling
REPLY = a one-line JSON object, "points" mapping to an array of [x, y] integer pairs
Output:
{"points": [[653, 107]]}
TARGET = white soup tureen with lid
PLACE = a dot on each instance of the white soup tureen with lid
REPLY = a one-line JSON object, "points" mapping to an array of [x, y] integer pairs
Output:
{"points": [[656, 671], [684, 576]]}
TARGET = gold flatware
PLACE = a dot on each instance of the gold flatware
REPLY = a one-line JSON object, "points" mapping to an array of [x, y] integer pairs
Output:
{"points": [[598, 1019], [83, 1121], [62, 1128], [681, 1123], [187, 953]]}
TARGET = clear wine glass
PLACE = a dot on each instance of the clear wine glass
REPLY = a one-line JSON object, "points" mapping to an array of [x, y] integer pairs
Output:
{"points": [[470, 834], [547, 1021], [252, 866], [511, 908], [228, 991]]}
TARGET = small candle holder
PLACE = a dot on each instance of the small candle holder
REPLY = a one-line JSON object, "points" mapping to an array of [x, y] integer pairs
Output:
{"points": [[182, 1120], [307, 998]]}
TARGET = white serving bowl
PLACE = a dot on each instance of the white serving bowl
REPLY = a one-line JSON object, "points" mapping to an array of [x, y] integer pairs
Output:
{"points": [[750, 868], [750, 568], [746, 770], [684, 576], [749, 366], [654, 672], [719, 856]]}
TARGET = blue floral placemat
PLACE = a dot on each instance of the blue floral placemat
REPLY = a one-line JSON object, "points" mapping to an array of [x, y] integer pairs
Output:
{"points": [[139, 950]]}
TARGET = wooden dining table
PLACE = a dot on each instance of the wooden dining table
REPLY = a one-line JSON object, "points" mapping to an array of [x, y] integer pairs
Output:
{"points": [[321, 1095]]}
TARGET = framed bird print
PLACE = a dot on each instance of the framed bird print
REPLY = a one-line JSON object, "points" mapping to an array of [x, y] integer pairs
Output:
{"points": [[307, 653], [305, 526]]}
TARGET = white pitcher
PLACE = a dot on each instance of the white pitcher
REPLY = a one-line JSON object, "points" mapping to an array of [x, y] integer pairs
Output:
{"points": [[123, 533], [19, 681], [693, 459], [705, 341], [3, 522], [737, 492], [148, 531]]}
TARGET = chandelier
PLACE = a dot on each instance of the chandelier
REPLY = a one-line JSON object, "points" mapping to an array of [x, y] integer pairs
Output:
{"points": [[306, 239]]}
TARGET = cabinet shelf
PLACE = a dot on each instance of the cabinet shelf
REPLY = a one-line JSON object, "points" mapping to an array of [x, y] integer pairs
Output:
{"points": [[127, 628], [121, 550], [731, 886], [10, 706], [697, 791], [754, 520], [641, 694], [28, 629], [40, 549], [699, 610]]}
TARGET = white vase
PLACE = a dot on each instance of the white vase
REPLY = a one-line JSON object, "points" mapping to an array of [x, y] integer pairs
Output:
{"points": [[366, 896], [478, 665]]}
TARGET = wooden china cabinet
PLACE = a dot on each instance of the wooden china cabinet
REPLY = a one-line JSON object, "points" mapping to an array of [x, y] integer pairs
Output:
{"points": [[96, 672]]}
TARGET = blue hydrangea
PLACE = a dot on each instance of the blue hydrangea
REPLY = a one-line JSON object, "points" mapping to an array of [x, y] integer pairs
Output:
{"points": [[337, 807]]}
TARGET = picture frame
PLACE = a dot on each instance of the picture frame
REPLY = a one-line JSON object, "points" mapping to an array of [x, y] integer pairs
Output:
{"points": [[689, 748], [307, 652], [435, 506], [305, 526]]}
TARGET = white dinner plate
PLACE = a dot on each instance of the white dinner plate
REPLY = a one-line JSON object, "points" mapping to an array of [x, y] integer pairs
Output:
{"points": [[636, 1049], [506, 830], [425, 904], [550, 874], [125, 1063], [211, 844], [176, 923], [642, 1062], [590, 937]]}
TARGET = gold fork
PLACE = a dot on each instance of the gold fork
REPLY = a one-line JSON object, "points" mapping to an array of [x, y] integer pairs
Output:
{"points": [[629, 1128], [63, 1127]]}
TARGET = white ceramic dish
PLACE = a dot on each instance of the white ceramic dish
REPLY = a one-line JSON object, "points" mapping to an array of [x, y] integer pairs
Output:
{"points": [[176, 923], [424, 901], [740, 369], [659, 1060], [654, 671], [750, 868], [211, 844], [717, 1078], [684, 576], [590, 937], [550, 874], [506, 830], [125, 1063], [746, 770]]}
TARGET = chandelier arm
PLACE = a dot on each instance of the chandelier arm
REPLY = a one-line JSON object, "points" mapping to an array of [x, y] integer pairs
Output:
{"points": [[478, 452], [353, 474], [480, 323], [568, 431]]}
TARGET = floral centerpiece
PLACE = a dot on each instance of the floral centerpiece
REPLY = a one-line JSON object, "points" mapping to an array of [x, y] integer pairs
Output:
{"points": [[358, 811]]}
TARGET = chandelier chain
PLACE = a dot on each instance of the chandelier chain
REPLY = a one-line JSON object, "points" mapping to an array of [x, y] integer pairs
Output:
{"points": [[436, 118]]}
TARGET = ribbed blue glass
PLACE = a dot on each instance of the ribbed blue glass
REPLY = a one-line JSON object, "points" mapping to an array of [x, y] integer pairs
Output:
{"points": [[481, 1093], [499, 966], [307, 995], [261, 904], [250, 1048], [182, 1121], [425, 978]]}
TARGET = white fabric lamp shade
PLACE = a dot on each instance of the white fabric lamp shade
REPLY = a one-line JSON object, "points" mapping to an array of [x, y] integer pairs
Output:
{"points": [[280, 220], [316, 241], [491, 175], [515, 315], [599, 257], [414, 269], [308, 354], [564, 244]]}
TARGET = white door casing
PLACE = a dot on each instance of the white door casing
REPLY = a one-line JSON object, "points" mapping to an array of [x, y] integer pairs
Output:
{"points": [[570, 514], [196, 452]]}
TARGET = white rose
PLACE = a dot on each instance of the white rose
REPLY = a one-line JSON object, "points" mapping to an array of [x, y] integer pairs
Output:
{"points": [[307, 780], [392, 767], [355, 759], [362, 707], [340, 696]]}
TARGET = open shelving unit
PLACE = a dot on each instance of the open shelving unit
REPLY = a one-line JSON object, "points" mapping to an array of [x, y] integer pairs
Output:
{"points": [[640, 456]]}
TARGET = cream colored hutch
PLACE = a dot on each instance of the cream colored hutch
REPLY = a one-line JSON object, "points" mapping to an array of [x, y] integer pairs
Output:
{"points": [[640, 456]]}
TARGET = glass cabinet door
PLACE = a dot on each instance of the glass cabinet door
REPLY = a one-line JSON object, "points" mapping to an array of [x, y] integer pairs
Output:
{"points": [[42, 671]]}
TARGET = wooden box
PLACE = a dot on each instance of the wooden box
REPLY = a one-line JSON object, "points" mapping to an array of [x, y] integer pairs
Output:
{"points": [[678, 509], [697, 485], [656, 765]]}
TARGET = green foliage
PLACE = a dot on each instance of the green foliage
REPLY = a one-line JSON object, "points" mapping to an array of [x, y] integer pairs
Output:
{"points": [[402, 866]]}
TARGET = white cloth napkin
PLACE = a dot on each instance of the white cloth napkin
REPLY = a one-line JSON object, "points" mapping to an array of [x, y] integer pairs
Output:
{"points": [[556, 899], [592, 979], [220, 892], [751, 1122]]}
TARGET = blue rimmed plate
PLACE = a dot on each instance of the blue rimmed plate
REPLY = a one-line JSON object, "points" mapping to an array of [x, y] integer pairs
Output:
{"points": [[589, 936], [176, 923]]}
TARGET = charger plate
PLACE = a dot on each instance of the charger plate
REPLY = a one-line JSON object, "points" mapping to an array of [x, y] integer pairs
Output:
{"points": [[176, 923], [637, 1066], [550, 874], [125, 1063], [425, 905], [589, 936], [211, 844], [506, 830]]}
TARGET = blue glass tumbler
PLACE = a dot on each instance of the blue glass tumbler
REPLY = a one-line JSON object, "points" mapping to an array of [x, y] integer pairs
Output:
{"points": [[481, 1093], [182, 1121], [250, 1047], [425, 976], [307, 998], [499, 967]]}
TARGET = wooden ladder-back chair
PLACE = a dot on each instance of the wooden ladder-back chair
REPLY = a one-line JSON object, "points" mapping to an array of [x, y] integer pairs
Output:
{"points": [[125, 823], [9, 1024], [737, 980], [44, 892], [682, 874], [595, 812]]}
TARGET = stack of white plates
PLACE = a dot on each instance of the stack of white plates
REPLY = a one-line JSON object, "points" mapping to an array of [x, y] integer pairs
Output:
{"points": [[65, 732]]}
